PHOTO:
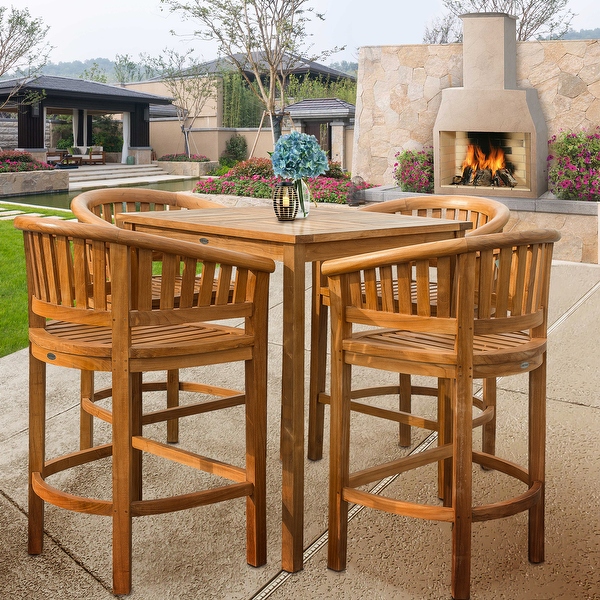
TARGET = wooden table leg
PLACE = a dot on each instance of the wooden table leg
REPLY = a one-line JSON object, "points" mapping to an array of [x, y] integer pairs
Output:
{"points": [[292, 410]]}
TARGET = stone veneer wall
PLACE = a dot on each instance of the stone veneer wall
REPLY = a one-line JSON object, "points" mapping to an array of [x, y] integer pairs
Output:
{"points": [[9, 134], [33, 182], [399, 92]]}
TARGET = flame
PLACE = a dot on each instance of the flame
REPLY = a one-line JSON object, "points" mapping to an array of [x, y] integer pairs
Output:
{"points": [[477, 159]]}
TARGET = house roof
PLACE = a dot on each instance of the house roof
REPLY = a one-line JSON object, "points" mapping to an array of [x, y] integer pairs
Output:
{"points": [[82, 87], [319, 108], [61, 90], [299, 66]]}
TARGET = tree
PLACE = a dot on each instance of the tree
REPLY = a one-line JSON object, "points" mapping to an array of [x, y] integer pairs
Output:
{"points": [[125, 69], [23, 50], [188, 82], [535, 18], [264, 39], [303, 88], [346, 67], [95, 73], [444, 30]]}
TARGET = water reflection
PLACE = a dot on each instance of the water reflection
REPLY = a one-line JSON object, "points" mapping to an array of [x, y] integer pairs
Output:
{"points": [[63, 200]]}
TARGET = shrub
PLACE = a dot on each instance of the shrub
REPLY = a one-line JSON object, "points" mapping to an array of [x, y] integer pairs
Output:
{"points": [[227, 162], [574, 166], [413, 170], [254, 186], [328, 189], [335, 171], [322, 189], [15, 161], [219, 171], [236, 149], [184, 158], [253, 166], [65, 143]]}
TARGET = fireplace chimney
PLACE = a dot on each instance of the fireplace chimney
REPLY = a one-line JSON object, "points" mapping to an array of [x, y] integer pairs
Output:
{"points": [[491, 105]]}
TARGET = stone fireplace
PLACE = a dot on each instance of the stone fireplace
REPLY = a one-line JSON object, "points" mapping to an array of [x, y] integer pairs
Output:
{"points": [[490, 137]]}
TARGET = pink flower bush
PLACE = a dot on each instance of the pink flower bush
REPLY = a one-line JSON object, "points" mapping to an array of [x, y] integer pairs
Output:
{"points": [[15, 161], [574, 166], [254, 178], [413, 170]]}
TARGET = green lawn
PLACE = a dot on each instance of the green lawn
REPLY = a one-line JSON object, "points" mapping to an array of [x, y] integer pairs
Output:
{"points": [[13, 282]]}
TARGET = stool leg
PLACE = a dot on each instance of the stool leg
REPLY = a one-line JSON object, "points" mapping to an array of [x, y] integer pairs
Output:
{"points": [[37, 450], [445, 399], [339, 464], [537, 448], [318, 369], [488, 444], [256, 459], [136, 429], [122, 478], [86, 421], [405, 402], [462, 488], [173, 401]]}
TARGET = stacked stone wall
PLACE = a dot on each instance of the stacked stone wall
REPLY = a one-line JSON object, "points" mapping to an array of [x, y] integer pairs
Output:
{"points": [[399, 93], [9, 134]]}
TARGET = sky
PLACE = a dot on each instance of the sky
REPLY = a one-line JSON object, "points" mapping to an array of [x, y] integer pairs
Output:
{"points": [[110, 27]]}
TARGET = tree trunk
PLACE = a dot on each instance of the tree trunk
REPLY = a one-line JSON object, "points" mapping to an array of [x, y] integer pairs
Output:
{"points": [[277, 119], [186, 142]]}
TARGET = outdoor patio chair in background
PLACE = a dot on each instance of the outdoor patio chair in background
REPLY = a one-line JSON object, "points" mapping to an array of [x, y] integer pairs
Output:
{"points": [[490, 320], [100, 207], [109, 320], [487, 216]]}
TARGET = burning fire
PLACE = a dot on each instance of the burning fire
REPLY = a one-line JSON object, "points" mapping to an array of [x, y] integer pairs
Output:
{"points": [[485, 169], [477, 160]]}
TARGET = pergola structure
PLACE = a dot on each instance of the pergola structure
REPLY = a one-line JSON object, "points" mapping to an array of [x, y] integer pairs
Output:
{"points": [[82, 99]]}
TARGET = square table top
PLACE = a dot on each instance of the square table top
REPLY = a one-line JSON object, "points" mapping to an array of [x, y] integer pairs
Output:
{"points": [[322, 225]]}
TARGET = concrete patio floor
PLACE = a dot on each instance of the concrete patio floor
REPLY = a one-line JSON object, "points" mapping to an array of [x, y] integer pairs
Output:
{"points": [[200, 553]]}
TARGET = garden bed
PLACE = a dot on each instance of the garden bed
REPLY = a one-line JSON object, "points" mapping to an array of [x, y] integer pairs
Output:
{"points": [[33, 182]]}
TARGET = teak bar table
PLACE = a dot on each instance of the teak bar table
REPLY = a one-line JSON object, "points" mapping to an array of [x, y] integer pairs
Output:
{"points": [[326, 233]]}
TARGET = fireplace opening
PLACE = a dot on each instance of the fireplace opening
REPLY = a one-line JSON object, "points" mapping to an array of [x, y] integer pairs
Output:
{"points": [[485, 160], [485, 163]]}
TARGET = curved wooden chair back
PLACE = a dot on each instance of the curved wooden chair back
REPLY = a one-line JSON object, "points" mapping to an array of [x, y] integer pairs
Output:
{"points": [[113, 323], [487, 216], [101, 206], [490, 320]]}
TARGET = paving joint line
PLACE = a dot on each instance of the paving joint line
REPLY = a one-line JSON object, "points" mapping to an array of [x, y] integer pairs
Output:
{"points": [[276, 582]]}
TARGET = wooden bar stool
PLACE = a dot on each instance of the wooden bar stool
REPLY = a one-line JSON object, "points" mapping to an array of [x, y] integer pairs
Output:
{"points": [[108, 319], [100, 207], [487, 216], [490, 320]]}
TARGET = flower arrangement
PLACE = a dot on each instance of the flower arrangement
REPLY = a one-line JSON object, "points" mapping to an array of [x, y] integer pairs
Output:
{"points": [[184, 158], [574, 165], [413, 170], [296, 156]]}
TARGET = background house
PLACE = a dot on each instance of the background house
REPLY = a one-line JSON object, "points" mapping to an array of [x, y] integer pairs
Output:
{"points": [[330, 120]]}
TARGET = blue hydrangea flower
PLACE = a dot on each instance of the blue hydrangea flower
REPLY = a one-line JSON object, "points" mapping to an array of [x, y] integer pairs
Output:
{"points": [[298, 155]]}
